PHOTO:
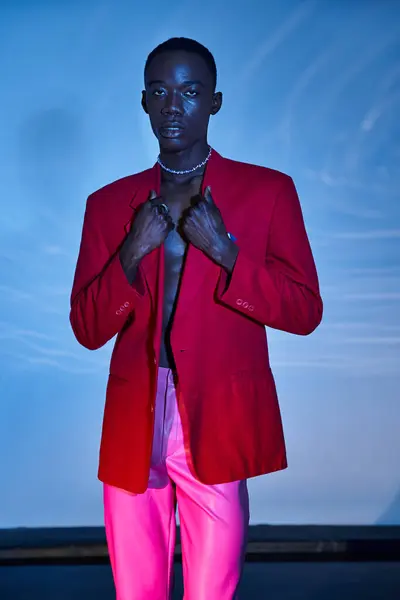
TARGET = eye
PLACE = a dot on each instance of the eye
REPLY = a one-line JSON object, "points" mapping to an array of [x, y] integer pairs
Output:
{"points": [[192, 93], [157, 92]]}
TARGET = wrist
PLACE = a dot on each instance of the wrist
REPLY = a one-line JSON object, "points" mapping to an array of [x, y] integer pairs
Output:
{"points": [[227, 255], [129, 259]]}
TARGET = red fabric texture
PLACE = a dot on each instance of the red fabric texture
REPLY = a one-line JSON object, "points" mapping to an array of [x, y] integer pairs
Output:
{"points": [[230, 408]]}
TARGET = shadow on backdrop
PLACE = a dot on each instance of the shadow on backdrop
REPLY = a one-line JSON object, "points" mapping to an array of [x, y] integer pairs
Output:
{"points": [[51, 161]]}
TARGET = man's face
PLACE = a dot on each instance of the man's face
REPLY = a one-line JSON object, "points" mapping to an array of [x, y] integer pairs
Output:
{"points": [[179, 99]]}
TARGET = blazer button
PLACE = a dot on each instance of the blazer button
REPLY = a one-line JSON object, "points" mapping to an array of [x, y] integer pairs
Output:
{"points": [[251, 307], [239, 302], [245, 304], [126, 304], [118, 312]]}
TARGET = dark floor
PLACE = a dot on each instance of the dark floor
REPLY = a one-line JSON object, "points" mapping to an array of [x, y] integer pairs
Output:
{"points": [[271, 580]]}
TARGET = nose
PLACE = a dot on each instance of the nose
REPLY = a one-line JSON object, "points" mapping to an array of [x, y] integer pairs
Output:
{"points": [[172, 105]]}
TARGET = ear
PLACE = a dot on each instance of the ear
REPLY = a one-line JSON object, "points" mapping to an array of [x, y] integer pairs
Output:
{"points": [[144, 103], [216, 103]]}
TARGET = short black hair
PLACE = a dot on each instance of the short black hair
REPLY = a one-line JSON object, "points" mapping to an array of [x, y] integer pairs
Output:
{"points": [[188, 45]]}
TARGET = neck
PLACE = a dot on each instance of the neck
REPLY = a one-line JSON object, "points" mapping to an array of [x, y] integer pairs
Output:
{"points": [[185, 159], [182, 180]]}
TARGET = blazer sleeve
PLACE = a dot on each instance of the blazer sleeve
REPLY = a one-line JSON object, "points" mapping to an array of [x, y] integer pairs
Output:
{"points": [[102, 297], [283, 293]]}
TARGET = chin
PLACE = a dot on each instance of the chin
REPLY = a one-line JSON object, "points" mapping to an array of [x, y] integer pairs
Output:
{"points": [[172, 144]]}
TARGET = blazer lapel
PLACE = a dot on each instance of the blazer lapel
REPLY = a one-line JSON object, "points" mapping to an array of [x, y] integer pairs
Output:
{"points": [[149, 179], [197, 266]]}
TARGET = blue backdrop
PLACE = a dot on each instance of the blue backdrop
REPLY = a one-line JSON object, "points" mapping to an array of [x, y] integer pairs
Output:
{"points": [[310, 88]]}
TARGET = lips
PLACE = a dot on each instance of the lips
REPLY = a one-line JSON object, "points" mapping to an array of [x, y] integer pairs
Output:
{"points": [[172, 125], [171, 129]]}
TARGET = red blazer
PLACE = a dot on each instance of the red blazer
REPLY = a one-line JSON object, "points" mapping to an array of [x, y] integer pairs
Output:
{"points": [[230, 411]]}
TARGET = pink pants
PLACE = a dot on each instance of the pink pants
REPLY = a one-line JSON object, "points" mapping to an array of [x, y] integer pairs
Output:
{"points": [[140, 528]]}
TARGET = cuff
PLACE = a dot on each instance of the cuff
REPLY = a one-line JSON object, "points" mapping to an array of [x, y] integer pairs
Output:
{"points": [[237, 289]]}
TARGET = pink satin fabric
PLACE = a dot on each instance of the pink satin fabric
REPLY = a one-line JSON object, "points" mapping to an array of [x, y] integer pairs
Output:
{"points": [[140, 528]]}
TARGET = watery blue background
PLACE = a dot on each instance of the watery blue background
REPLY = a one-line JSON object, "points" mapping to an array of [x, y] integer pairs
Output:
{"points": [[310, 88]]}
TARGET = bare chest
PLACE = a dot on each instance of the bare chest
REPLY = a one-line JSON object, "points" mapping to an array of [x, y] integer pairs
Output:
{"points": [[178, 199]]}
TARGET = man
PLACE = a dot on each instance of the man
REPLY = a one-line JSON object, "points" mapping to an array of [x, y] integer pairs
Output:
{"points": [[187, 262]]}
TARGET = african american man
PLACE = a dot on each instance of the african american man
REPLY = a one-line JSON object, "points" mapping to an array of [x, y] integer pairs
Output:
{"points": [[187, 263]]}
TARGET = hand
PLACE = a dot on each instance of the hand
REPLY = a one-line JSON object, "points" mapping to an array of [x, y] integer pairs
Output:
{"points": [[150, 227], [203, 226], [149, 230]]}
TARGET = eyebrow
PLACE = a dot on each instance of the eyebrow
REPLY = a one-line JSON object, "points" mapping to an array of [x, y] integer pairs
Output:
{"points": [[194, 82]]}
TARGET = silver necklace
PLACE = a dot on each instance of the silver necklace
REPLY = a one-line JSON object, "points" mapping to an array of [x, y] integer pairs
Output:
{"points": [[187, 170]]}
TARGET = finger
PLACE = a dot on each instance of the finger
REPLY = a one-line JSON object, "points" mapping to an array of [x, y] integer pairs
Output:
{"points": [[207, 195], [190, 216], [154, 198], [160, 208], [165, 209], [169, 220], [185, 218], [153, 195], [184, 230], [195, 200], [186, 213]]}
